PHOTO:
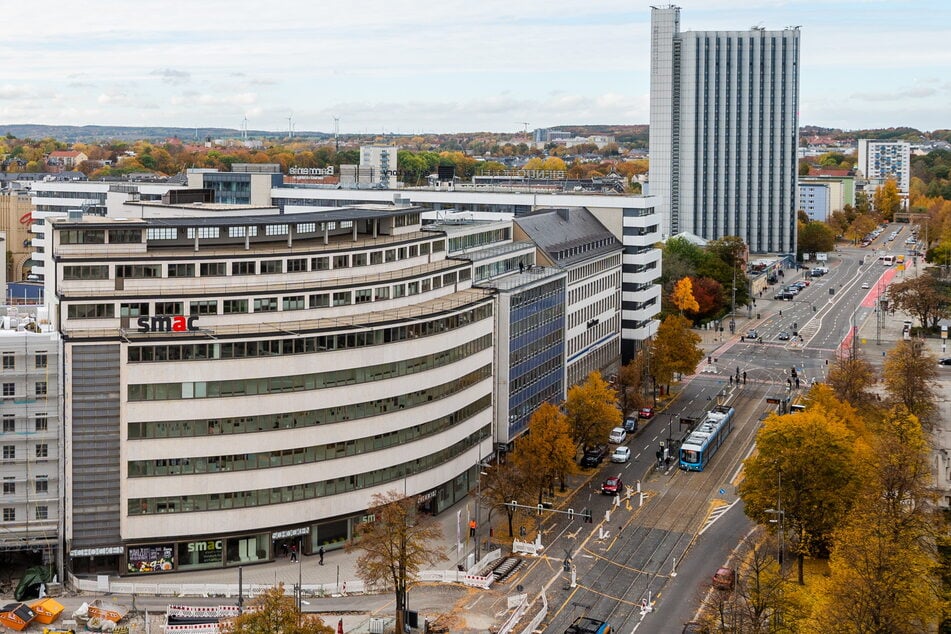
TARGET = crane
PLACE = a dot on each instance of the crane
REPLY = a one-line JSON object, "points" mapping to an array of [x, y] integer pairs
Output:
{"points": [[524, 126]]}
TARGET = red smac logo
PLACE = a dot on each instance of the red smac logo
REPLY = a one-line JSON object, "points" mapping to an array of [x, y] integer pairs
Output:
{"points": [[168, 323]]}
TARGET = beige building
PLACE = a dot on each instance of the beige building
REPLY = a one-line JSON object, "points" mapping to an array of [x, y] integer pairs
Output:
{"points": [[15, 219]]}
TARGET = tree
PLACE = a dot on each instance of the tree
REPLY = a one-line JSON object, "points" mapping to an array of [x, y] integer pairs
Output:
{"points": [[592, 410], [546, 452], [709, 295], [909, 374], [850, 379], [273, 612], [395, 545], [808, 465], [815, 237], [503, 483], [675, 348], [682, 297], [884, 570], [631, 384], [887, 199], [924, 296]]}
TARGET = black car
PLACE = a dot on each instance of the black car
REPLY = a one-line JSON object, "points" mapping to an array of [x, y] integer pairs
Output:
{"points": [[783, 336], [944, 361], [630, 425], [594, 455]]}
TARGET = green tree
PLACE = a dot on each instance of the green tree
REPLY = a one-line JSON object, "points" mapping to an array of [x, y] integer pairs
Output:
{"points": [[273, 612], [909, 373], [815, 237], [547, 452], [675, 348], [592, 410], [395, 545], [807, 465]]}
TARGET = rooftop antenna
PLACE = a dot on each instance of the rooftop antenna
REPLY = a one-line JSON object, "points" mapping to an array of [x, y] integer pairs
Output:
{"points": [[336, 133], [524, 126]]}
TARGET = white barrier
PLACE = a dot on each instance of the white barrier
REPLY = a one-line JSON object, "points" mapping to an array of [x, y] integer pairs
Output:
{"points": [[194, 628], [528, 548], [483, 563], [478, 581], [222, 589], [516, 616], [538, 617]]}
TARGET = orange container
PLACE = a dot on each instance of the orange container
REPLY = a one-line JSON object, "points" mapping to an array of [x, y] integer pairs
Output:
{"points": [[47, 610], [16, 616]]}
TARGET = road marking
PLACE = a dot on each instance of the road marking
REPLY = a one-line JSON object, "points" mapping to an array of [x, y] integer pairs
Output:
{"points": [[717, 509]]}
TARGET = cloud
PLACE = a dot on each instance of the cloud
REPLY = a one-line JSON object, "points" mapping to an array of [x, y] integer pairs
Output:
{"points": [[172, 76], [192, 98]]}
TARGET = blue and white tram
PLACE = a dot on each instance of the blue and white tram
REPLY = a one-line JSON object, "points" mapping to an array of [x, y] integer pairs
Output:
{"points": [[704, 441]]}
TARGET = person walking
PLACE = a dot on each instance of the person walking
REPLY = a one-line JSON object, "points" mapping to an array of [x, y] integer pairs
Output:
{"points": [[320, 551], [293, 553]]}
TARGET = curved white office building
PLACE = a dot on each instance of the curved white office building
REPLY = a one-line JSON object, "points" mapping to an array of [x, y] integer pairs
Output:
{"points": [[237, 381]]}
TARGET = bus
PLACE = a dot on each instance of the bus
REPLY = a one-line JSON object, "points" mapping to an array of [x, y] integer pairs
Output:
{"points": [[888, 260]]}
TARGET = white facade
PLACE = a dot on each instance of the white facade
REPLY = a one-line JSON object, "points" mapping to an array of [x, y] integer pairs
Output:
{"points": [[331, 357], [382, 160], [724, 132], [881, 160]]}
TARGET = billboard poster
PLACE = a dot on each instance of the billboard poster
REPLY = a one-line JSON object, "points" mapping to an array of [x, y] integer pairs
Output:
{"points": [[150, 558]]}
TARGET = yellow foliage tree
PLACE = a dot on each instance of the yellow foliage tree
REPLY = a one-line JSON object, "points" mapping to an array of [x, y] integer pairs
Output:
{"points": [[546, 452], [592, 410], [273, 612], [675, 348], [682, 296], [887, 200]]}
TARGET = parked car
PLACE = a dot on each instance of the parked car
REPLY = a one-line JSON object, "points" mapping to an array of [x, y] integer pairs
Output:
{"points": [[752, 334], [594, 455], [864, 285], [617, 436], [630, 425], [621, 454], [724, 579], [646, 412], [944, 361], [783, 336], [612, 486]]}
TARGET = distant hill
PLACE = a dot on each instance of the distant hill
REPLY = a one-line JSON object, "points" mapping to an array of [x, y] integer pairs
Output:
{"points": [[98, 133]]}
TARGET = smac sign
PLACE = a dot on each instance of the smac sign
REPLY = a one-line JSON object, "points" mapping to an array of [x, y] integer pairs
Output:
{"points": [[168, 323]]}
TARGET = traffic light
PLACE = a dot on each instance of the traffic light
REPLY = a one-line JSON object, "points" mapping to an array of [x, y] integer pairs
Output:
{"points": [[571, 514], [588, 519], [566, 565]]}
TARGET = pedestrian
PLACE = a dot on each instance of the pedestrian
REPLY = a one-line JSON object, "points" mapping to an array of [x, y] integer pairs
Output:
{"points": [[284, 550], [293, 553], [731, 379], [320, 551], [472, 528], [744, 378]]}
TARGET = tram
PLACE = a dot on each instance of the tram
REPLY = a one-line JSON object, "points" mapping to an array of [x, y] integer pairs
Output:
{"points": [[703, 442]]}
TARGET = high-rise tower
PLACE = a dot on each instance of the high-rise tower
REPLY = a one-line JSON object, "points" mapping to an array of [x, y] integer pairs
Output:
{"points": [[724, 131]]}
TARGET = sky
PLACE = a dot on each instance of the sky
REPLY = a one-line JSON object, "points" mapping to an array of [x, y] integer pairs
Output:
{"points": [[407, 66]]}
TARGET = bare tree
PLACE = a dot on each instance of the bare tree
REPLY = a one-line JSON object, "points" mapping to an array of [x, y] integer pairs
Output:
{"points": [[394, 545]]}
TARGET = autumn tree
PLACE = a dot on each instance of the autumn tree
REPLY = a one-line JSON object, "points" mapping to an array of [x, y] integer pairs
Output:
{"points": [[682, 297], [547, 452], [851, 378], [909, 373], [860, 227], [923, 296], [675, 348], [808, 465], [273, 612], [887, 201], [503, 483], [815, 237], [883, 568], [630, 381], [395, 545], [709, 295], [592, 410]]}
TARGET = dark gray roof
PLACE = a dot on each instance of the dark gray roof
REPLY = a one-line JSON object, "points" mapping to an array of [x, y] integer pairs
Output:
{"points": [[568, 236]]}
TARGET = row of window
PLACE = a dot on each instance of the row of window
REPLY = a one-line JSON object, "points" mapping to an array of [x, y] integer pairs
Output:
{"points": [[98, 236], [40, 423], [41, 513], [480, 239], [305, 455], [608, 282], [251, 267], [269, 304], [306, 345], [307, 418], [40, 450], [595, 333], [306, 382], [591, 311], [586, 271], [308, 491], [40, 360], [9, 390], [41, 485]]}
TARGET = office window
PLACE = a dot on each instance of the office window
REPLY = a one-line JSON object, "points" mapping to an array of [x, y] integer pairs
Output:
{"points": [[203, 232], [341, 261], [181, 270], [363, 295], [243, 268], [9, 515], [265, 305], [321, 300], [91, 311], [232, 306], [9, 487], [9, 389], [9, 423], [42, 484], [162, 233], [376, 257], [168, 308], [9, 452], [42, 450], [275, 230], [242, 232], [321, 263], [212, 269], [41, 388], [359, 259], [208, 307], [42, 512], [342, 298], [294, 302], [297, 265], [41, 422], [272, 266], [9, 361], [133, 310], [40, 359]]}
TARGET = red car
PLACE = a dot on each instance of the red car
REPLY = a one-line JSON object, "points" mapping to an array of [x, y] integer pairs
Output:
{"points": [[646, 412], [612, 486], [724, 579]]}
